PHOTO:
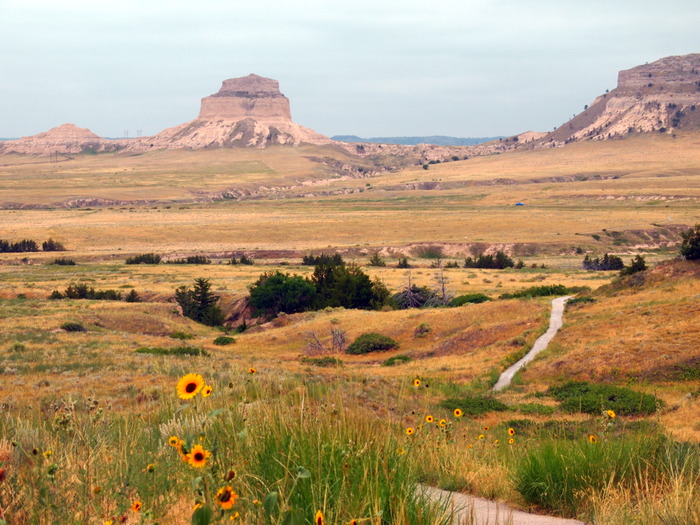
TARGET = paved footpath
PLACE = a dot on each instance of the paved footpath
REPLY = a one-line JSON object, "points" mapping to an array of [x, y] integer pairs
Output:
{"points": [[471, 510], [555, 323]]}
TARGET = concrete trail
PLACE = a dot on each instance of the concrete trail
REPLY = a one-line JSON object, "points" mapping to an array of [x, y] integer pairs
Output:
{"points": [[471, 510], [555, 323]]}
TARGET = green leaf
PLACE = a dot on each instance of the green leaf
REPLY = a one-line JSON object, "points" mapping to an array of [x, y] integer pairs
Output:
{"points": [[271, 503], [197, 483], [215, 413], [302, 473], [293, 517], [202, 516], [183, 407]]}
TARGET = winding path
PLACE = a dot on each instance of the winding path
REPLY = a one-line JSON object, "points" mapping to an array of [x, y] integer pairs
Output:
{"points": [[555, 323], [471, 510]]}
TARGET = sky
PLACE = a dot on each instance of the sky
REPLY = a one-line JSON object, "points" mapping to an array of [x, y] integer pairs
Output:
{"points": [[466, 68]]}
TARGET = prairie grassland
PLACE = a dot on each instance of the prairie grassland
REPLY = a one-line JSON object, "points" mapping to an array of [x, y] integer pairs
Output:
{"points": [[570, 194]]}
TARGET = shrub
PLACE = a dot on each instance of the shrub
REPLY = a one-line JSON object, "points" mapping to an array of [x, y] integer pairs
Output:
{"points": [[539, 291], [469, 298], [429, 252], [224, 340], [638, 264], [56, 295], [416, 297], [498, 261], [422, 330], [246, 260], [132, 297], [73, 327], [371, 342], [403, 263], [17, 347], [376, 260], [311, 260], [324, 362], [26, 245], [144, 258], [397, 360], [535, 408], [183, 336], [584, 299], [64, 261], [178, 351], [192, 259], [592, 398], [606, 263], [474, 405], [690, 246], [274, 293], [199, 303]]}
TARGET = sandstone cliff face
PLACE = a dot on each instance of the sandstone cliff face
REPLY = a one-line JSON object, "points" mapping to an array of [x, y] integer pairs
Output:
{"points": [[663, 96], [247, 97]]}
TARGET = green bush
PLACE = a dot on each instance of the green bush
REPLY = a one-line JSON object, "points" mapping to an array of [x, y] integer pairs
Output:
{"points": [[73, 327], [534, 408], [178, 351], [144, 258], [539, 291], [690, 247], [475, 298], [224, 340], [474, 405], [183, 336], [371, 342], [192, 259], [592, 398], [397, 360], [324, 362], [64, 261], [274, 293], [580, 300]]}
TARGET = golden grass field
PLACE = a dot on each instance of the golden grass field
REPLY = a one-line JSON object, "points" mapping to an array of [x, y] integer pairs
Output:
{"points": [[634, 195]]}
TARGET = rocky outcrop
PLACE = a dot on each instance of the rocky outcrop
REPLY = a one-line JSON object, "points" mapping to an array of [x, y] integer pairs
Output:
{"points": [[253, 97], [63, 140], [660, 97]]}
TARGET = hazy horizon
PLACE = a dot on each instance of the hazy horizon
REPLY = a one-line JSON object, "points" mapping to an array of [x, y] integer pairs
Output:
{"points": [[463, 69]]}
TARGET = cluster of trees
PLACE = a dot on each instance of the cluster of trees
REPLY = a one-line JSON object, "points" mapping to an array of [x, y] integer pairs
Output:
{"points": [[144, 258], [333, 284], [192, 259], [199, 303], [613, 262], [690, 246], [243, 260], [498, 261], [83, 291], [28, 245], [313, 260]]}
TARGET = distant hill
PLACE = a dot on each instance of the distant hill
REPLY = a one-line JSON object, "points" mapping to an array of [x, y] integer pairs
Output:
{"points": [[439, 140]]}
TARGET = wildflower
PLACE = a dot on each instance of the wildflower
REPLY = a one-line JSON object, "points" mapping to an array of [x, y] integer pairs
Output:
{"points": [[174, 441], [96, 490], [198, 456], [429, 419], [318, 519], [108, 522], [206, 391], [226, 497], [442, 423], [470, 445], [611, 414], [353, 522], [511, 431], [150, 467], [458, 412], [47, 454], [592, 439], [231, 474], [400, 451], [410, 431], [235, 516], [481, 436], [486, 429], [257, 502], [496, 441], [136, 507], [189, 386], [252, 371], [511, 441], [416, 382]]}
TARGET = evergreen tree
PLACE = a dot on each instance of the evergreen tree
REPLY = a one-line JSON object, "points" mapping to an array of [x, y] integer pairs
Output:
{"points": [[200, 303]]}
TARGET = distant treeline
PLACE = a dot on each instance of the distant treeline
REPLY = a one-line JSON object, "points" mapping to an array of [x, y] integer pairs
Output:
{"points": [[83, 291], [27, 245]]}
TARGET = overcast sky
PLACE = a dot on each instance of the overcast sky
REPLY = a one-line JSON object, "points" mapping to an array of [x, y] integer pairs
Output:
{"points": [[465, 68]]}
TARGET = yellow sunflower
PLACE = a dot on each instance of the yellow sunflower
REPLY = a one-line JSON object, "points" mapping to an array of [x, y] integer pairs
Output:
{"points": [[226, 497], [174, 441], [189, 386], [410, 431], [136, 507], [318, 519], [511, 441], [400, 451], [458, 412], [592, 439], [481, 436], [416, 382], [486, 429], [442, 423], [511, 431], [429, 419], [252, 371], [207, 390], [198, 456], [611, 414], [235, 516]]}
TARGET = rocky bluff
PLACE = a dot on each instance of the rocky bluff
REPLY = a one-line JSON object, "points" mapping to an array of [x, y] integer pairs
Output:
{"points": [[247, 97]]}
